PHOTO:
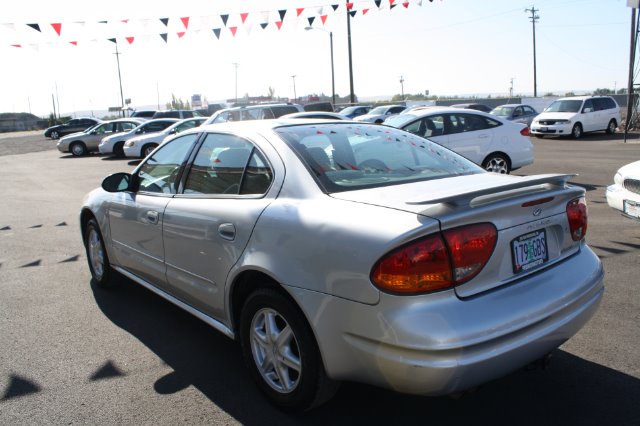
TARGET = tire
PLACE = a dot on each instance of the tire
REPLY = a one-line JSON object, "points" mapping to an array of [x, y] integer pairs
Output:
{"points": [[497, 163], [147, 149], [612, 126], [78, 149], [99, 266], [118, 149], [576, 132], [281, 352], [55, 134]]}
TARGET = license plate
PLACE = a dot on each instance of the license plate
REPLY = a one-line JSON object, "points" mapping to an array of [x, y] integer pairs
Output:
{"points": [[632, 208], [529, 251], [544, 129]]}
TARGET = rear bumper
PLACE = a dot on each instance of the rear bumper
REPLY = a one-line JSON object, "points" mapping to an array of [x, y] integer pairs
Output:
{"points": [[439, 344]]}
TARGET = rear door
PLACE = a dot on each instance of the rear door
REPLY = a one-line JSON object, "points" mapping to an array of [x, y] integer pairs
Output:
{"points": [[208, 225], [470, 135]]}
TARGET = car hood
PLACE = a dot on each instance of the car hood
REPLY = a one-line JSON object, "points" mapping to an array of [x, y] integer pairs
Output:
{"points": [[631, 170], [365, 117], [71, 136], [555, 116]]}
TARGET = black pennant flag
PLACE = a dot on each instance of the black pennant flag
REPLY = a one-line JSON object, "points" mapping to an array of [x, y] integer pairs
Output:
{"points": [[282, 12], [335, 7], [224, 18], [311, 19], [264, 25], [392, 6], [353, 13], [216, 31], [164, 36], [377, 2], [113, 40], [165, 21], [35, 27]]}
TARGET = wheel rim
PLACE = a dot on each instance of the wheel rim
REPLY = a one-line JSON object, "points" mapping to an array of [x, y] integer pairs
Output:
{"points": [[77, 149], [148, 150], [54, 135], [612, 127], [96, 254], [275, 350], [497, 165], [577, 131]]}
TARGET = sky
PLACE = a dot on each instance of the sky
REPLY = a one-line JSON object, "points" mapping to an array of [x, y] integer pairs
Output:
{"points": [[448, 47]]}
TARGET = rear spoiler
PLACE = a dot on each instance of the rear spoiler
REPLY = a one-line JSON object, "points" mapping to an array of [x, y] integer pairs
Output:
{"points": [[466, 198]]}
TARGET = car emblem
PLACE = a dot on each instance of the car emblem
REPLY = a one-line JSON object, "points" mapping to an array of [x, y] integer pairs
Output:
{"points": [[537, 212]]}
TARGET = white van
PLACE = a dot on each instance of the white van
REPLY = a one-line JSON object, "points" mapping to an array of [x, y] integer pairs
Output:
{"points": [[577, 115]]}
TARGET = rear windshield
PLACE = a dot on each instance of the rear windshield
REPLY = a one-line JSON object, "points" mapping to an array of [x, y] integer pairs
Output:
{"points": [[565, 106], [346, 157], [502, 111]]}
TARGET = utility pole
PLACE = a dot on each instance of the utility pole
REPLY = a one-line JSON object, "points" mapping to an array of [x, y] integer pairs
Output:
{"points": [[534, 18], [235, 64], [119, 79], [511, 89], [632, 62], [53, 101], [295, 96], [402, 86], [352, 96]]}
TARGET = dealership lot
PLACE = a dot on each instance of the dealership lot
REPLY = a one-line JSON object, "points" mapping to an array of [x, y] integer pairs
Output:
{"points": [[74, 353]]}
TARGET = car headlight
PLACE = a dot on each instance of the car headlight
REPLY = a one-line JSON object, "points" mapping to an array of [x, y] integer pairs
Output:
{"points": [[129, 144], [618, 179]]}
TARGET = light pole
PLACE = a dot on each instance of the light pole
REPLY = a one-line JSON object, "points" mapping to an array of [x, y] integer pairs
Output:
{"points": [[352, 96], [402, 86], [333, 80], [295, 97]]}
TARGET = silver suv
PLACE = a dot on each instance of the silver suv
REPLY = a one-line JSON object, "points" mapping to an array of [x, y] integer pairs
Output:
{"points": [[253, 112]]}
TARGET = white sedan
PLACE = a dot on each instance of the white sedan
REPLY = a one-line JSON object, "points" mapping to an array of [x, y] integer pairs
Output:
{"points": [[496, 144], [624, 194], [141, 146]]}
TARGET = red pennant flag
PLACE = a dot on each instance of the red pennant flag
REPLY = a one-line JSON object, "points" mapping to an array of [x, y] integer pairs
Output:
{"points": [[391, 2], [130, 39], [233, 30], [364, 11], [299, 11], [16, 45], [243, 16], [279, 24], [181, 34], [75, 43], [126, 21], [57, 27], [406, 4], [185, 21], [323, 18], [350, 5]]}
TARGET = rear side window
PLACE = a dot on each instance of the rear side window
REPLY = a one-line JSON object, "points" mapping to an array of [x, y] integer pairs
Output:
{"points": [[156, 126], [279, 111]]}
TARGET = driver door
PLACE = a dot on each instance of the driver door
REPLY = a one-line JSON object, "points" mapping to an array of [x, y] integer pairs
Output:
{"points": [[136, 218]]}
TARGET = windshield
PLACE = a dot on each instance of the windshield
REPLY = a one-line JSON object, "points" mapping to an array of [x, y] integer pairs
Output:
{"points": [[502, 111], [400, 120], [565, 106], [378, 111], [346, 157]]}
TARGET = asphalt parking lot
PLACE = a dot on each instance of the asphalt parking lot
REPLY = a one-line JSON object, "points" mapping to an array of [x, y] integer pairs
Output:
{"points": [[71, 353]]}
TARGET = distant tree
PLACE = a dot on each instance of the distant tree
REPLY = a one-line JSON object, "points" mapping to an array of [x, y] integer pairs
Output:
{"points": [[271, 92], [569, 94], [177, 103], [52, 119], [551, 94], [622, 91], [603, 92]]}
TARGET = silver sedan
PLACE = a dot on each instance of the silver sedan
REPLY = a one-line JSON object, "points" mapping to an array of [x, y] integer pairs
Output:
{"points": [[336, 251]]}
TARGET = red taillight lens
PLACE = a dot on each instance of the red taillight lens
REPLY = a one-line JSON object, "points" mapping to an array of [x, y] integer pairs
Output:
{"points": [[525, 132], [577, 216], [431, 264]]}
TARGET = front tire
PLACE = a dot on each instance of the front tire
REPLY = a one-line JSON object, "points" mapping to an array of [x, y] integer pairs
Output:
{"points": [[497, 163], [281, 352], [78, 149], [97, 257], [118, 150], [55, 134], [612, 126], [147, 149], [576, 132]]}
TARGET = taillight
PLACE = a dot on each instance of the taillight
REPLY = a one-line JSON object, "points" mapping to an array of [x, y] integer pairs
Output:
{"points": [[577, 216], [525, 132], [436, 262]]}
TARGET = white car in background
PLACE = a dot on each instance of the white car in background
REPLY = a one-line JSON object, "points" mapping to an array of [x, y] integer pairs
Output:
{"points": [[115, 144], [496, 144], [381, 113], [141, 146], [624, 194]]}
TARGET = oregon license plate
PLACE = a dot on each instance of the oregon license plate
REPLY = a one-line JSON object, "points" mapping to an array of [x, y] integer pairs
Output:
{"points": [[632, 208], [529, 251]]}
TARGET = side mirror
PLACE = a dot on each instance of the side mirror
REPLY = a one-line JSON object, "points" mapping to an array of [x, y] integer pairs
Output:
{"points": [[117, 182], [173, 131], [139, 131], [587, 110]]}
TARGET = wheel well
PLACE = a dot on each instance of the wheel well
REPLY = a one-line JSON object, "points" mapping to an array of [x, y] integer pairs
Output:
{"points": [[85, 217], [243, 286], [497, 153]]}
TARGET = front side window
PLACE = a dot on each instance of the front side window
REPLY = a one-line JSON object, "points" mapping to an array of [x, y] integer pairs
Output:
{"points": [[528, 110], [228, 165], [588, 106], [345, 157], [125, 126], [160, 172], [103, 128]]}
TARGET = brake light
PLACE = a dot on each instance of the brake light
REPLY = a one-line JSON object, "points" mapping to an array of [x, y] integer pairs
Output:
{"points": [[436, 262], [525, 132], [577, 216]]}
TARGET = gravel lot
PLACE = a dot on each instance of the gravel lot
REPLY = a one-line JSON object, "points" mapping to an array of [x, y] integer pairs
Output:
{"points": [[72, 353]]}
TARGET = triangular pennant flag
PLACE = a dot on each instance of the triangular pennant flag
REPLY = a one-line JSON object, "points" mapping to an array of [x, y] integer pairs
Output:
{"points": [[319, 11], [299, 11], [264, 25], [216, 31], [57, 27], [164, 36], [16, 45], [353, 13], [279, 24], [130, 39], [419, 2], [323, 18], [349, 6], [392, 6], [35, 27], [181, 34], [406, 4], [233, 30], [311, 19], [224, 18], [391, 3], [113, 40], [335, 7], [377, 2], [364, 11], [124, 21], [103, 22], [75, 43], [282, 12], [243, 17], [185, 22], [165, 21], [248, 28]]}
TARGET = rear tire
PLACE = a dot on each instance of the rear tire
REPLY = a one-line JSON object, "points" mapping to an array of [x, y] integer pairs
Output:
{"points": [[147, 149], [97, 257], [497, 163], [55, 134], [576, 132], [611, 128], [281, 352], [78, 149]]}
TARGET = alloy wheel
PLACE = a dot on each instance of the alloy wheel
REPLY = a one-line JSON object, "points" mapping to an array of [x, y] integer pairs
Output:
{"points": [[96, 253]]}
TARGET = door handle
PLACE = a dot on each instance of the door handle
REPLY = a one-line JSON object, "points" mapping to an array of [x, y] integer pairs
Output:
{"points": [[227, 231], [152, 216]]}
